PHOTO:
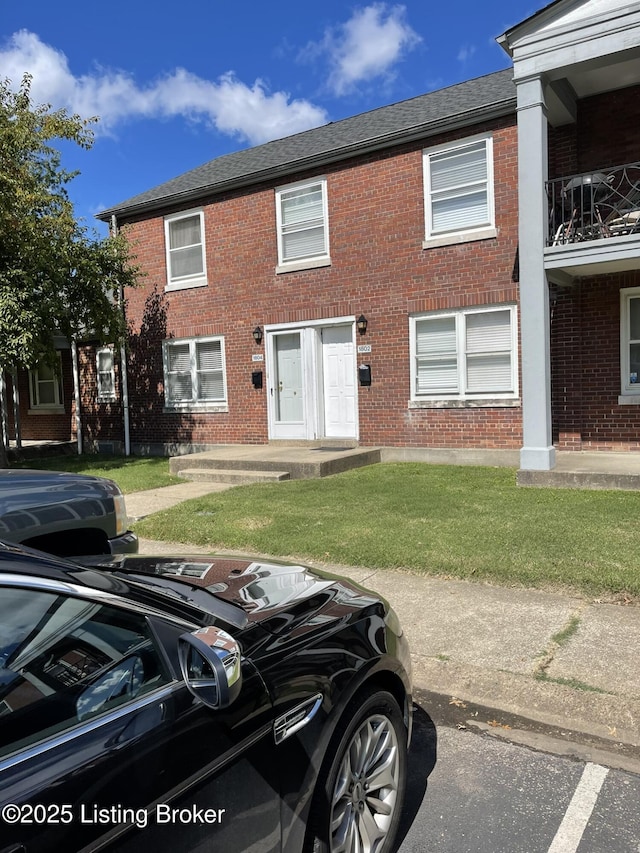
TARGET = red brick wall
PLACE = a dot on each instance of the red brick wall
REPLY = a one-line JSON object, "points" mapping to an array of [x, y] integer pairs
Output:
{"points": [[102, 421], [605, 134], [607, 129], [379, 268], [585, 353], [586, 367]]}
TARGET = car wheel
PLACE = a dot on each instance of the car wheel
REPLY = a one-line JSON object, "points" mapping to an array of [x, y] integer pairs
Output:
{"points": [[358, 799]]}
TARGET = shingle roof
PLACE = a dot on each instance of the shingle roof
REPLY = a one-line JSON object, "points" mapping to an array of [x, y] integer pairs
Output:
{"points": [[456, 106]]}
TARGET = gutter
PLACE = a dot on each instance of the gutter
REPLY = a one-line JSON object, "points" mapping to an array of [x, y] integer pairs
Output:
{"points": [[423, 131]]}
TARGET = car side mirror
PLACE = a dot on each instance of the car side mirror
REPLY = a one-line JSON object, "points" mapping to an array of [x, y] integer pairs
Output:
{"points": [[210, 660]]}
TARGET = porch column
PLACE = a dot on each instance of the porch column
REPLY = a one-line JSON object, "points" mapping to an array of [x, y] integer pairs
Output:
{"points": [[537, 453]]}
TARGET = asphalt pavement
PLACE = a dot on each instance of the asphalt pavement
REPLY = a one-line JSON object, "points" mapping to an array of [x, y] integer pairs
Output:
{"points": [[558, 660]]}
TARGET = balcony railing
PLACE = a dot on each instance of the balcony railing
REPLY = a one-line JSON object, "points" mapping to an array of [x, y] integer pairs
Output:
{"points": [[595, 205]]}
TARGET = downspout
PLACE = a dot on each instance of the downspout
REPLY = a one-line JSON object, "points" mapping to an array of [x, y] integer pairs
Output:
{"points": [[3, 405], [76, 394], [16, 408], [123, 365]]}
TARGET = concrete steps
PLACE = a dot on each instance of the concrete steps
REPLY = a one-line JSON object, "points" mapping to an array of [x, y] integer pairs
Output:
{"points": [[236, 477], [235, 464]]}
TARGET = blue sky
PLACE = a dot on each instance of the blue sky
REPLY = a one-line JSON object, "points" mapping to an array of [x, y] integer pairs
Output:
{"points": [[175, 86]]}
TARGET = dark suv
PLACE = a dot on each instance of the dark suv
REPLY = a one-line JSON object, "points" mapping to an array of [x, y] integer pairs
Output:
{"points": [[64, 514]]}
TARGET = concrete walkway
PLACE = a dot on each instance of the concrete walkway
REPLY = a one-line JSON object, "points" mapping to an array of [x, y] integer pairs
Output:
{"points": [[555, 659]]}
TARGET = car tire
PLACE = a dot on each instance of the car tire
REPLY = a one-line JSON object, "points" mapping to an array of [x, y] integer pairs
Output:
{"points": [[358, 799]]}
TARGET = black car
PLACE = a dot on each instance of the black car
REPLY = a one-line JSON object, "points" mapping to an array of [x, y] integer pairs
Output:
{"points": [[197, 704], [63, 513]]}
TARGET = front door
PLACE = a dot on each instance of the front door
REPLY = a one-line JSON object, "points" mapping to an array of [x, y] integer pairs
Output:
{"points": [[287, 387], [312, 382], [339, 373]]}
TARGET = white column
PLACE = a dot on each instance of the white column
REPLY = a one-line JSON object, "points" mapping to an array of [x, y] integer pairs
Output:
{"points": [[537, 453]]}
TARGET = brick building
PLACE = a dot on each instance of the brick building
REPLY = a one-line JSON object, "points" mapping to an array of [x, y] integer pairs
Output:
{"points": [[454, 272]]}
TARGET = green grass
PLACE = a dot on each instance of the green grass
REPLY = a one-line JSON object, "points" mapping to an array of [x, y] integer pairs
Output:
{"points": [[563, 637], [450, 521], [132, 474], [460, 522]]}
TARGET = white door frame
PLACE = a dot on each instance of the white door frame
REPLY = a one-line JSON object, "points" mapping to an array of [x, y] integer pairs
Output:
{"points": [[312, 378]]}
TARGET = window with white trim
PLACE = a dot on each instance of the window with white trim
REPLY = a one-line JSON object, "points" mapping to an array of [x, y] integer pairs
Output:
{"points": [[105, 374], [464, 355], [184, 241], [45, 386], [630, 341], [194, 372], [302, 223], [458, 182]]}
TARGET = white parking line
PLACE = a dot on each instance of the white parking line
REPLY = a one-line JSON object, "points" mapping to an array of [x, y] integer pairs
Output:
{"points": [[577, 815]]}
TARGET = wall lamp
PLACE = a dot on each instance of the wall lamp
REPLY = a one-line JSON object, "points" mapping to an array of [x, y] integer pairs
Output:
{"points": [[257, 335], [362, 324]]}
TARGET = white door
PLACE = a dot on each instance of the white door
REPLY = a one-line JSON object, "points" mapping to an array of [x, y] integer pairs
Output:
{"points": [[287, 387], [339, 372]]}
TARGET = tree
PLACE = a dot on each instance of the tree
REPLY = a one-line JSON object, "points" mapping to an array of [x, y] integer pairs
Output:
{"points": [[55, 277]]}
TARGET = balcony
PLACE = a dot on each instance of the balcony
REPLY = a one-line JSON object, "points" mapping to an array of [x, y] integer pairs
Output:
{"points": [[594, 205], [594, 223]]}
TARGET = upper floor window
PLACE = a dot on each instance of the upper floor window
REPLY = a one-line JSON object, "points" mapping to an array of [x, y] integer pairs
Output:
{"points": [[458, 180], [466, 354], [303, 225], [184, 239], [194, 372], [45, 386], [630, 341], [105, 374]]}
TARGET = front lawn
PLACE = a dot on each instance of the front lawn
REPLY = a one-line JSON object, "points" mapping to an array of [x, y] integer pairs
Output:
{"points": [[131, 473], [459, 522]]}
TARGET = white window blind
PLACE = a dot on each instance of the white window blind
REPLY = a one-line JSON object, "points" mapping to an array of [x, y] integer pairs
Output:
{"points": [[436, 356], [185, 248], [106, 374], [630, 341], [459, 191], [469, 353], [302, 222], [489, 352], [179, 372], [210, 370], [195, 371]]}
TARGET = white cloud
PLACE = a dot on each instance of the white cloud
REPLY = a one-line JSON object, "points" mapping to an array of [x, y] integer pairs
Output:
{"points": [[368, 45], [466, 53], [231, 106]]}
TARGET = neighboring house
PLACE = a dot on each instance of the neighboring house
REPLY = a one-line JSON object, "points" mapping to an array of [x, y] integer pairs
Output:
{"points": [[46, 403], [394, 279]]}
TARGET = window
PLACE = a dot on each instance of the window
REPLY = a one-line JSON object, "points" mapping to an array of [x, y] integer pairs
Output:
{"points": [[105, 374], [45, 386], [464, 354], [194, 372], [630, 341], [458, 182], [184, 237], [66, 660], [303, 228]]}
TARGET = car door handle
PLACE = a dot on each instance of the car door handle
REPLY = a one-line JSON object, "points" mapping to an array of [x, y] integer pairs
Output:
{"points": [[14, 848]]}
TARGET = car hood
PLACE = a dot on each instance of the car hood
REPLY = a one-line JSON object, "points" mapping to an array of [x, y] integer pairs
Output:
{"points": [[272, 594]]}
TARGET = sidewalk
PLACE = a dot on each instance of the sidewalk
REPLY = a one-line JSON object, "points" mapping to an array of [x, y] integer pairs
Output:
{"points": [[559, 660]]}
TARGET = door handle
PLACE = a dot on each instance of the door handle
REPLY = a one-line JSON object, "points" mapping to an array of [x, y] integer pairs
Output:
{"points": [[14, 848]]}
